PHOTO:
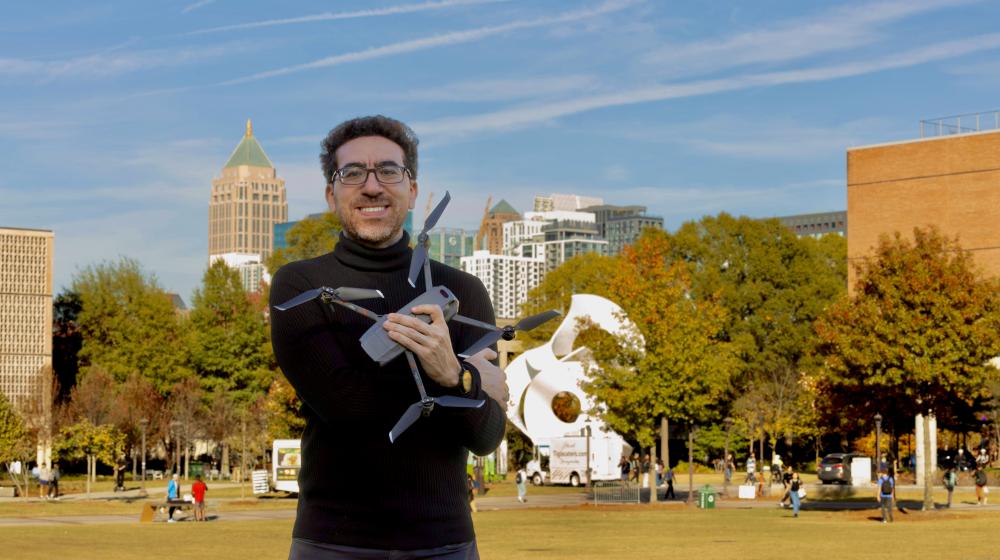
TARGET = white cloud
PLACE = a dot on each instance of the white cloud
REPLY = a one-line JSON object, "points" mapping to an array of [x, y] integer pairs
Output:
{"points": [[331, 16], [114, 62], [504, 89], [517, 117], [196, 5], [842, 28], [453, 38]]}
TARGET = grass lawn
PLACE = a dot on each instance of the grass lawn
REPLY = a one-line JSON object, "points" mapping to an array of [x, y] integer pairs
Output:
{"points": [[127, 507], [580, 532]]}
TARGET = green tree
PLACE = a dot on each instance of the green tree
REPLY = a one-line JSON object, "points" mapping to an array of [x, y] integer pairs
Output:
{"points": [[128, 324], [283, 409], [15, 444], [917, 334], [308, 238], [230, 350], [674, 364], [774, 286], [102, 443], [588, 273]]}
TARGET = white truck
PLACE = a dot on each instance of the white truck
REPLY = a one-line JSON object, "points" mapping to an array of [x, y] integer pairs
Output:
{"points": [[563, 460], [286, 460]]}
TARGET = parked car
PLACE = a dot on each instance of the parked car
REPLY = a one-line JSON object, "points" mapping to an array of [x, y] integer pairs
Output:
{"points": [[835, 467]]}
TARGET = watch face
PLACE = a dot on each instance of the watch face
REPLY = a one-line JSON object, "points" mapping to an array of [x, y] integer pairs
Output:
{"points": [[466, 381]]}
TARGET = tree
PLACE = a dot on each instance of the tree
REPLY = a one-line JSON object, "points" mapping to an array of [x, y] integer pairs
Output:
{"points": [[128, 324], [95, 443], [283, 409], [187, 408], [583, 274], [308, 238], [917, 333], [230, 347], [673, 365], [774, 286], [93, 398], [66, 340], [15, 446]]}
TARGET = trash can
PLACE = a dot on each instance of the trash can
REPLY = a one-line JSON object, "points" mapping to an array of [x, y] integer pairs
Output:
{"points": [[706, 497], [197, 468]]}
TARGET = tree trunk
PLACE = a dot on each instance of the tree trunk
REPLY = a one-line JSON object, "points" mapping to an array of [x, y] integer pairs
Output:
{"points": [[224, 467], [929, 453], [90, 468], [691, 464], [665, 442], [187, 462]]}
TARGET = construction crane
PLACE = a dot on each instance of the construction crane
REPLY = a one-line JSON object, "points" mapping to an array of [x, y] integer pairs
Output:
{"points": [[482, 225]]}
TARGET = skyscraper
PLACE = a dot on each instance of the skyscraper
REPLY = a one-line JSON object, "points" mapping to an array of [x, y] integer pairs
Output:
{"points": [[247, 200], [25, 313]]}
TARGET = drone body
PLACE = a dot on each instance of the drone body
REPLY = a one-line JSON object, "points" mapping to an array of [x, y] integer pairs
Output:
{"points": [[382, 349]]}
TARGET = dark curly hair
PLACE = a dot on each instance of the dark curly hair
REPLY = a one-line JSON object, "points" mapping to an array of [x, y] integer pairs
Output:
{"points": [[377, 125]]}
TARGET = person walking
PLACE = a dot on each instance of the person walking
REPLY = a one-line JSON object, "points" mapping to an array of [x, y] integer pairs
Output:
{"points": [[981, 489], [886, 486], [44, 476], [793, 493], [54, 482], [751, 478], [659, 472], [521, 479], [950, 479], [668, 475], [625, 467], [729, 468]]}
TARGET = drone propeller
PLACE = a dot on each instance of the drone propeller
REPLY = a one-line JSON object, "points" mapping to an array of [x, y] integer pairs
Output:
{"points": [[343, 294], [424, 407], [507, 333], [420, 250]]}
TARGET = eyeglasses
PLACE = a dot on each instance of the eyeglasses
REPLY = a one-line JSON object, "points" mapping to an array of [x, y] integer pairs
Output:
{"points": [[354, 175]]}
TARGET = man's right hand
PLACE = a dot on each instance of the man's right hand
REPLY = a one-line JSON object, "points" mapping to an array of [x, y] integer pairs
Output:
{"points": [[492, 378]]}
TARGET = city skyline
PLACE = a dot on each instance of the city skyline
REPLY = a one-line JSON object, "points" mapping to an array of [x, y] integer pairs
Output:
{"points": [[116, 117]]}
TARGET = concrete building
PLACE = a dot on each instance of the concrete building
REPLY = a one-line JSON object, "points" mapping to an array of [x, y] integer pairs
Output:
{"points": [[507, 279], [948, 181], [26, 257], [568, 202], [449, 245], [247, 200], [250, 267], [816, 225], [622, 225]]}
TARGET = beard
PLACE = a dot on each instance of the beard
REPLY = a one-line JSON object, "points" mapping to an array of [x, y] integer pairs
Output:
{"points": [[375, 233]]}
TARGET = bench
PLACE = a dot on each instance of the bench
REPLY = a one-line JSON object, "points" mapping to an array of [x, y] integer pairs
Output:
{"points": [[150, 510]]}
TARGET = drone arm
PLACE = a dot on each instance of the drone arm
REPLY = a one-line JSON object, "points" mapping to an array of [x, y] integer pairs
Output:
{"points": [[357, 309], [473, 322], [428, 282]]}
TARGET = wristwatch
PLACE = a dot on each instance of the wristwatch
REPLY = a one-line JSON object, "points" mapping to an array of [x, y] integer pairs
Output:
{"points": [[466, 381]]}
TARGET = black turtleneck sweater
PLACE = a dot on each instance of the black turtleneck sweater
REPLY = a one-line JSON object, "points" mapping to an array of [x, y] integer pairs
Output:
{"points": [[356, 488]]}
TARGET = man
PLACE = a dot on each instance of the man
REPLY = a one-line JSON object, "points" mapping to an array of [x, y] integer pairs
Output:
{"points": [[886, 491], [521, 479], [979, 477], [751, 470], [950, 481], [350, 403], [173, 495], [198, 490]]}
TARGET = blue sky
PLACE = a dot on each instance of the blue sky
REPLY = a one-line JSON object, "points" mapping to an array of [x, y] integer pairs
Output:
{"points": [[115, 116]]}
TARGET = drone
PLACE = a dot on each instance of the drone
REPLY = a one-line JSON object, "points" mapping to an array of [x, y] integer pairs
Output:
{"points": [[382, 349]]}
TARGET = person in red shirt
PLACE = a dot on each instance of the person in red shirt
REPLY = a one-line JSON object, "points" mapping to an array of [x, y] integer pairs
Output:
{"points": [[198, 490]]}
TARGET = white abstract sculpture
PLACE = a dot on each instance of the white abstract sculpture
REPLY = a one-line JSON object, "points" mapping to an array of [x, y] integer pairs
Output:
{"points": [[538, 375]]}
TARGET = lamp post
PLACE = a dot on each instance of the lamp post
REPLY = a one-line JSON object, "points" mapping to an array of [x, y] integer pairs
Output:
{"points": [[878, 437], [142, 426], [725, 459], [175, 431], [586, 430]]}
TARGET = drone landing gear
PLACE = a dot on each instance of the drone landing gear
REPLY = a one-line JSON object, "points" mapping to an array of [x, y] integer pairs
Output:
{"points": [[425, 405]]}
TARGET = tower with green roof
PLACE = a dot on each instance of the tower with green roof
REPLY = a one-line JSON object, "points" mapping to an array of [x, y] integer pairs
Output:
{"points": [[247, 200]]}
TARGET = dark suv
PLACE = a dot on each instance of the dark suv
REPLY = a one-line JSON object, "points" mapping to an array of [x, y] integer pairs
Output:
{"points": [[835, 467]]}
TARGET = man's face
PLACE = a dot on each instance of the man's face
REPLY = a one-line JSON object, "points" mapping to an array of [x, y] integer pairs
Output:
{"points": [[372, 213]]}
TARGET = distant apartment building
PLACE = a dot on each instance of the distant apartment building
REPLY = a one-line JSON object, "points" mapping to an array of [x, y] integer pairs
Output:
{"points": [[816, 225], [554, 237], [250, 267], [449, 245], [622, 225], [507, 279], [247, 201], [26, 257], [948, 179], [567, 202]]}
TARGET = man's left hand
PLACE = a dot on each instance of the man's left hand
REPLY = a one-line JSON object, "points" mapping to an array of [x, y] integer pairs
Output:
{"points": [[429, 342]]}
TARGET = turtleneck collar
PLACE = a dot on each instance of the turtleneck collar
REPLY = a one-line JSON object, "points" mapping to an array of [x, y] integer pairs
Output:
{"points": [[357, 256]]}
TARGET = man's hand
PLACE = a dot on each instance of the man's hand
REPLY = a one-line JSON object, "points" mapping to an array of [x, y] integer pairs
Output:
{"points": [[492, 378], [429, 342]]}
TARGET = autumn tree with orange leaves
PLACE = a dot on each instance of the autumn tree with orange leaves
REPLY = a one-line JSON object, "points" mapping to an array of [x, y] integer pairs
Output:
{"points": [[916, 335]]}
